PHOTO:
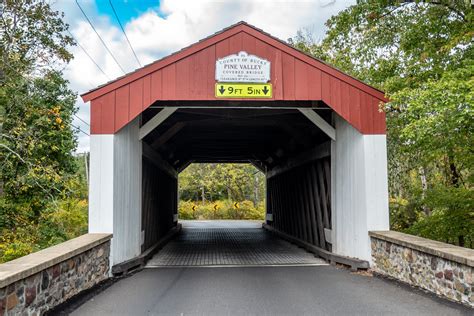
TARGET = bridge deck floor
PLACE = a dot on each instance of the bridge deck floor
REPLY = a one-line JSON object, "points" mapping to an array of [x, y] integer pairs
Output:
{"points": [[229, 243]]}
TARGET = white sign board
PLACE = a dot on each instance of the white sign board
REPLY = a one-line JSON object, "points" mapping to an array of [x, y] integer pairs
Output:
{"points": [[242, 67]]}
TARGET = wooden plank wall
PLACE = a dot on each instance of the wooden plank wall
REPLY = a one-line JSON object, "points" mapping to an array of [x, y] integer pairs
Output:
{"points": [[294, 77], [300, 201], [159, 202]]}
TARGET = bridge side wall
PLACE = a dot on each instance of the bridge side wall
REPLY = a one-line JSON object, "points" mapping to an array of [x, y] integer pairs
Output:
{"points": [[36, 283], [299, 202], [115, 190], [440, 268], [160, 203], [359, 189]]}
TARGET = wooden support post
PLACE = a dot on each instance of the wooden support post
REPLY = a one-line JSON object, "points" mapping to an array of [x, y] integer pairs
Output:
{"points": [[327, 172], [317, 199], [307, 209], [295, 206], [301, 207], [292, 206], [323, 196], [312, 209], [287, 204]]}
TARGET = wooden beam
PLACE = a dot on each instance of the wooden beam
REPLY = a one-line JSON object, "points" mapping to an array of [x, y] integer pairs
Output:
{"points": [[166, 136], [322, 190], [319, 122], [320, 151], [140, 261], [319, 216], [297, 135], [155, 121], [312, 209], [185, 165], [258, 165], [156, 159], [354, 263]]}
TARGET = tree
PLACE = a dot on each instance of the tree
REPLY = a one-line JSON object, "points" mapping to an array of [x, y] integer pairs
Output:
{"points": [[235, 182], [37, 166], [36, 104], [421, 54]]}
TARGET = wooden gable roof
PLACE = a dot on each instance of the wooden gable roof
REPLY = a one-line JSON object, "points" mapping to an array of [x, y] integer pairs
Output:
{"points": [[188, 75]]}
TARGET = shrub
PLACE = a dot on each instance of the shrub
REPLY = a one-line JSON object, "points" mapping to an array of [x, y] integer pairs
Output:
{"points": [[222, 209], [452, 218], [59, 222], [63, 221]]}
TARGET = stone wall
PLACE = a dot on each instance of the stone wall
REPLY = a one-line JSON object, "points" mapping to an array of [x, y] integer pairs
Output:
{"points": [[33, 284], [434, 266]]}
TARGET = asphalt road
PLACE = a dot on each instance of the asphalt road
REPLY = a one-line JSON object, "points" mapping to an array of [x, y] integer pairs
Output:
{"points": [[228, 282], [320, 290]]}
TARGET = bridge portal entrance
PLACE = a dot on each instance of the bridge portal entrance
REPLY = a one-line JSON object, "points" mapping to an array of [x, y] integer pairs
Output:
{"points": [[241, 95]]}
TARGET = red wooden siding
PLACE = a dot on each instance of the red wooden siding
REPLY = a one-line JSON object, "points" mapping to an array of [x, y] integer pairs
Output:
{"points": [[189, 75]]}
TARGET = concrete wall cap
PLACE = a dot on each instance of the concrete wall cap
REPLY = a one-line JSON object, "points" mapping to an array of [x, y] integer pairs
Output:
{"points": [[26, 266], [443, 250]]}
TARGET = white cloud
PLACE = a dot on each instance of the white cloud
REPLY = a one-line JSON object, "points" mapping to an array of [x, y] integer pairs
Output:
{"points": [[175, 24]]}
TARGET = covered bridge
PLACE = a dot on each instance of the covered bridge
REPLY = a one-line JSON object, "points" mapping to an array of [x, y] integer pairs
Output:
{"points": [[240, 95]]}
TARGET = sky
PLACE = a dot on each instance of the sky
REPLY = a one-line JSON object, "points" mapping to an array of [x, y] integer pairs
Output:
{"points": [[158, 28]]}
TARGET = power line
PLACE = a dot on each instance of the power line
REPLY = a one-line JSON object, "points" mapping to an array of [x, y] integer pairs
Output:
{"points": [[79, 129], [103, 43], [90, 57], [123, 31], [81, 120]]}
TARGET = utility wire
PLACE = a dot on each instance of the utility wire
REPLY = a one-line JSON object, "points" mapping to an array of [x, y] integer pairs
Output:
{"points": [[123, 31], [103, 43], [90, 57], [82, 120], [79, 129]]}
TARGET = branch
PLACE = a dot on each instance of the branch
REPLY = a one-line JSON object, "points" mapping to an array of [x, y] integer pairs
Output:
{"points": [[446, 5], [28, 165]]}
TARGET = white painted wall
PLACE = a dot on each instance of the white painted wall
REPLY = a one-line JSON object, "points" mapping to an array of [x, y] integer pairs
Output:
{"points": [[115, 190], [101, 199], [126, 242], [359, 189]]}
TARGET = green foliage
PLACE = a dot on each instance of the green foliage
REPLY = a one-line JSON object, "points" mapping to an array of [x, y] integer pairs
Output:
{"points": [[452, 219], [214, 188], [58, 223], [41, 192], [62, 222], [421, 54], [221, 209], [222, 181], [402, 214], [37, 140]]}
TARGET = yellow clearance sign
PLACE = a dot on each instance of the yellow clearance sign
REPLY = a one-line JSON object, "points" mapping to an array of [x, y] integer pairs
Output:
{"points": [[244, 90]]}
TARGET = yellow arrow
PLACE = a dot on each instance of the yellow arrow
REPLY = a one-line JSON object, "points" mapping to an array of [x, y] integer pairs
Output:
{"points": [[236, 205]]}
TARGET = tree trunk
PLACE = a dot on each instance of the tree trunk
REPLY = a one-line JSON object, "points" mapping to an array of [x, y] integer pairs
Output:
{"points": [[454, 174], [453, 171], [229, 192], [424, 188], [255, 188]]}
